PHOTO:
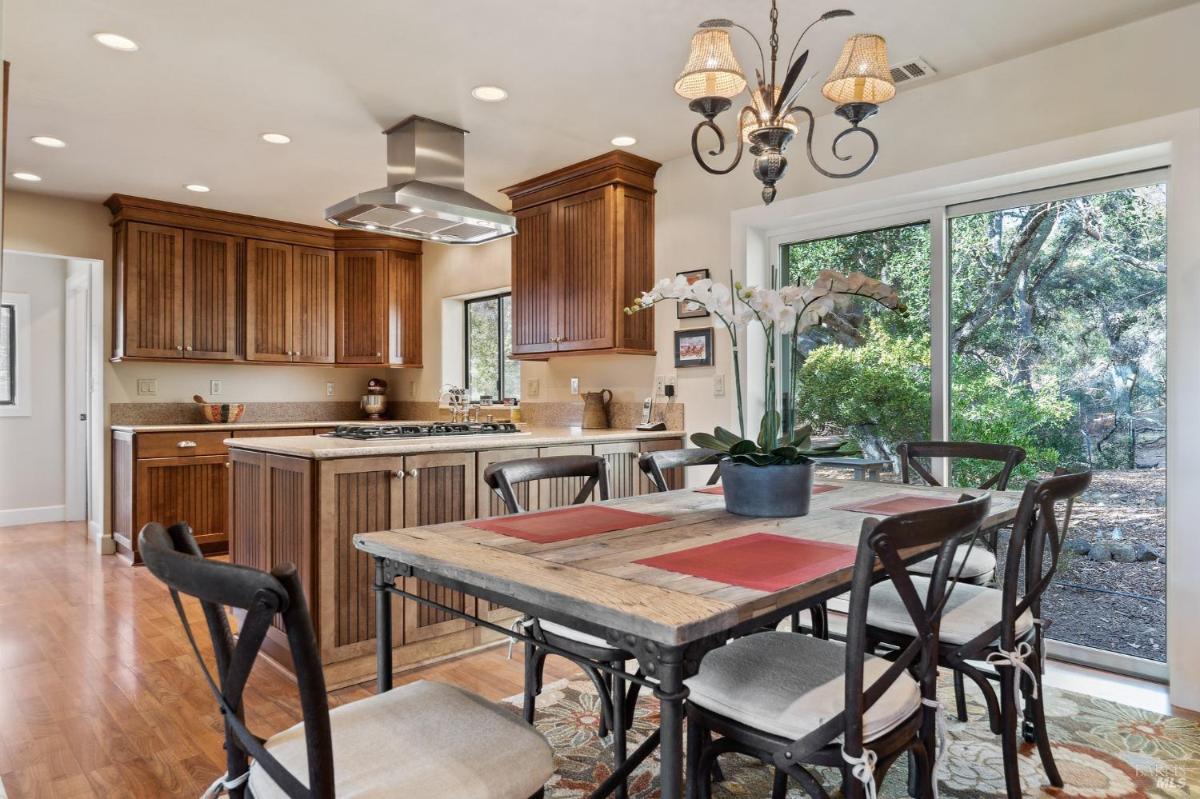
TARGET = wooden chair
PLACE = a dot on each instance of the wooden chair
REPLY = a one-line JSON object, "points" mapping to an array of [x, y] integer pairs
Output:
{"points": [[795, 701], [656, 464], [422, 739], [1002, 626], [616, 703]]}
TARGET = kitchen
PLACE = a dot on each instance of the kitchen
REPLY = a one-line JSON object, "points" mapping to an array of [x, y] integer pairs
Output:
{"points": [[256, 304]]}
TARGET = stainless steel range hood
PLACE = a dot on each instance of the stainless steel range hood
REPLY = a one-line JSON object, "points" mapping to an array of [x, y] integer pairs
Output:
{"points": [[425, 196]]}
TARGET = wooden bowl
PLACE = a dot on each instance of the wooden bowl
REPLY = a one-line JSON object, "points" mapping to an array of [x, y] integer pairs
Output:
{"points": [[223, 412]]}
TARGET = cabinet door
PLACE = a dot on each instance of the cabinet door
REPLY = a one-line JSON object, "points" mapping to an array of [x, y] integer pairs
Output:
{"points": [[153, 313], [561, 491], [536, 293], [438, 488], [489, 504], [404, 308], [209, 296], [585, 272], [624, 476], [268, 301], [361, 335], [190, 489], [312, 305]]}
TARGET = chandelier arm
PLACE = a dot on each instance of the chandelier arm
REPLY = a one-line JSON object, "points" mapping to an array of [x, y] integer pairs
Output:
{"points": [[792, 55], [762, 58], [812, 123], [737, 158]]}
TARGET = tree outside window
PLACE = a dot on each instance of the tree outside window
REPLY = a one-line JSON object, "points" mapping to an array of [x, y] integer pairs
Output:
{"points": [[490, 370]]}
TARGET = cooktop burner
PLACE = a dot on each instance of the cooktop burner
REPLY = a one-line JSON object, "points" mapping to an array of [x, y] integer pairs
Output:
{"points": [[368, 432]]}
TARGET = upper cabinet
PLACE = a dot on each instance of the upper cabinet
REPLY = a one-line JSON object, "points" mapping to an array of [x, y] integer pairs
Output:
{"points": [[584, 248], [215, 286]]}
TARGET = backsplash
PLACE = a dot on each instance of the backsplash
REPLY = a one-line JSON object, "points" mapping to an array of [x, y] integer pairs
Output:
{"points": [[625, 415]]}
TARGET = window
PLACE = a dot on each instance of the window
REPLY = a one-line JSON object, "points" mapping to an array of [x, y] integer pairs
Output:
{"points": [[490, 370], [14, 355]]}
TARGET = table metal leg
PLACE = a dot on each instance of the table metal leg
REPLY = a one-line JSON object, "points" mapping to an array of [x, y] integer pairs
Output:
{"points": [[671, 693], [383, 627]]}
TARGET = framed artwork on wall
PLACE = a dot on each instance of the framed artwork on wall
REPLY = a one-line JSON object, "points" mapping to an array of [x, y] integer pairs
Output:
{"points": [[681, 309], [694, 347]]}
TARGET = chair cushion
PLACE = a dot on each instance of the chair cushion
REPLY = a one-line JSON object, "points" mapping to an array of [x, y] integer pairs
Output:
{"points": [[788, 685], [970, 610], [423, 739], [562, 631], [978, 565]]}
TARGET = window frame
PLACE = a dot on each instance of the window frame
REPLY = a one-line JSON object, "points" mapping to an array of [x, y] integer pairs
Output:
{"points": [[502, 299], [19, 354]]}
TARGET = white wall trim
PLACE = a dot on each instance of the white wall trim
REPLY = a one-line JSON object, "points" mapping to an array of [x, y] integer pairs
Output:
{"points": [[18, 516], [23, 361]]}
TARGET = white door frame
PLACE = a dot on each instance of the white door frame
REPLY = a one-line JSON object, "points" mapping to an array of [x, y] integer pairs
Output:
{"points": [[76, 390]]}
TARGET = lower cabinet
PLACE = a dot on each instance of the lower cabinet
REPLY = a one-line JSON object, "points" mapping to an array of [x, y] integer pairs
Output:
{"points": [[623, 471], [561, 491]]}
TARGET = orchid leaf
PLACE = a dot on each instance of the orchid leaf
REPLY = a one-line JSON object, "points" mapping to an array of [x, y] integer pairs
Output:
{"points": [[708, 441], [768, 432], [743, 447], [727, 437]]}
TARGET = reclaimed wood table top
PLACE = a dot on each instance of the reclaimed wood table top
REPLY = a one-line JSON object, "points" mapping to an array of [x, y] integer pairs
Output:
{"points": [[596, 583]]}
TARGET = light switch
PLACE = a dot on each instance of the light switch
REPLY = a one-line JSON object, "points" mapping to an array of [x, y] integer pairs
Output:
{"points": [[147, 387], [215, 387], [718, 385], [329, 389], [574, 385], [533, 387]]}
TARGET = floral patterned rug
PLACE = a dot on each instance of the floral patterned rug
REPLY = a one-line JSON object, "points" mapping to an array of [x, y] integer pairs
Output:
{"points": [[1104, 751]]}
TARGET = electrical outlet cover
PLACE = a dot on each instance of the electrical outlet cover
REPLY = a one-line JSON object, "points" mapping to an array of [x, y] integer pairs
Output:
{"points": [[215, 387], [533, 387], [718, 385], [329, 389], [147, 387], [574, 385]]}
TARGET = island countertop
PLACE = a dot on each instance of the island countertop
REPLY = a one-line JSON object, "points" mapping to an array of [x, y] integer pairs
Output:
{"points": [[326, 448]]}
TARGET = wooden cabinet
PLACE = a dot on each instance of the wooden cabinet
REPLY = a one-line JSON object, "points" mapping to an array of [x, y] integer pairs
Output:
{"points": [[560, 491], [584, 251], [623, 472], [674, 477], [209, 285], [361, 327]]}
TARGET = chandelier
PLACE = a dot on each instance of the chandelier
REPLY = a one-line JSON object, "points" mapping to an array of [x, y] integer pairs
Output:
{"points": [[860, 81]]}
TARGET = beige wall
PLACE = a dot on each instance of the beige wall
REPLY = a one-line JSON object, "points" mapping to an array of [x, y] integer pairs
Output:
{"points": [[34, 482]]}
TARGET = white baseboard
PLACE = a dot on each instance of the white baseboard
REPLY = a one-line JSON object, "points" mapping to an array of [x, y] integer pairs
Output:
{"points": [[48, 513]]}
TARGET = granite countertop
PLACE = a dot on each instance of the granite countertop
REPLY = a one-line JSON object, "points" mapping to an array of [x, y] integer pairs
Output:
{"points": [[199, 426], [324, 447]]}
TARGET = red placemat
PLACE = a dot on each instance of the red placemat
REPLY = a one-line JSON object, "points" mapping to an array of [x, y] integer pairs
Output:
{"points": [[818, 488], [896, 503], [563, 524], [764, 561]]}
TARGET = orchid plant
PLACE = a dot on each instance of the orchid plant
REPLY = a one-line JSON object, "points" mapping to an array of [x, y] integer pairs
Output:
{"points": [[780, 312]]}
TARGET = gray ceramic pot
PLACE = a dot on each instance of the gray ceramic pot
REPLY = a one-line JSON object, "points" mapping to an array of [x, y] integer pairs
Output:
{"points": [[783, 490]]}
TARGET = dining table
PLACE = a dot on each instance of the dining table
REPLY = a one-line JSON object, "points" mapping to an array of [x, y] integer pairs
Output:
{"points": [[659, 586]]}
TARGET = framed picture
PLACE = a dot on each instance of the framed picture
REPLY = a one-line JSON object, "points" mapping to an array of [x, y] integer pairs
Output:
{"points": [[694, 347], [681, 309]]}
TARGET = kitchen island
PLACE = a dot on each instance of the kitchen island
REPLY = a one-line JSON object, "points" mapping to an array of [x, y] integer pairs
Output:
{"points": [[302, 499]]}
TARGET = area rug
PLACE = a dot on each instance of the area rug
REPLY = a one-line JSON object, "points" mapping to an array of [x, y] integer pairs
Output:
{"points": [[1104, 750]]}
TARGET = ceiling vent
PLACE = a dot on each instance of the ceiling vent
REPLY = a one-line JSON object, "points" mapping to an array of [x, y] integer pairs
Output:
{"points": [[911, 70]]}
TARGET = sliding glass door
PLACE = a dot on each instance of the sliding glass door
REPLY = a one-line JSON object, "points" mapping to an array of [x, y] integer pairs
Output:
{"points": [[1058, 345]]}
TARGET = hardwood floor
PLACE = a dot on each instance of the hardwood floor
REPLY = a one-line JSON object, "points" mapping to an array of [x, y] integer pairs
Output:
{"points": [[100, 694]]}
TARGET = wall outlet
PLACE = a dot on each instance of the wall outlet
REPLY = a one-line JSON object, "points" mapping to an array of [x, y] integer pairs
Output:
{"points": [[147, 387], [329, 389], [660, 384], [215, 387], [412, 389], [533, 387], [718, 385], [574, 385]]}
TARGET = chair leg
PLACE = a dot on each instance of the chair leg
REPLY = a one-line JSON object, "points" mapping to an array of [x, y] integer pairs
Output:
{"points": [[960, 695], [619, 725], [533, 662], [779, 788], [796, 621], [1035, 718], [921, 776], [820, 621], [717, 774], [696, 739], [1009, 712]]}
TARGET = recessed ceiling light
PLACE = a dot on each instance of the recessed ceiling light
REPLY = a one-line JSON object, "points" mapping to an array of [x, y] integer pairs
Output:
{"points": [[369, 226], [415, 210], [116, 41], [489, 94], [276, 138], [197, 187], [48, 141], [624, 141], [29, 176]]}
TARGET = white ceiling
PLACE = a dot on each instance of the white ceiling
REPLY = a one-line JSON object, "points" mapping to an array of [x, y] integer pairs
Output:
{"points": [[212, 75]]}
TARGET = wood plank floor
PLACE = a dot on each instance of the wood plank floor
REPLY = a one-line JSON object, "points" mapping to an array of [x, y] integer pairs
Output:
{"points": [[100, 694]]}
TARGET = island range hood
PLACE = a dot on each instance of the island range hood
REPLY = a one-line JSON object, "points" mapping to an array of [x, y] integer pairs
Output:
{"points": [[425, 197]]}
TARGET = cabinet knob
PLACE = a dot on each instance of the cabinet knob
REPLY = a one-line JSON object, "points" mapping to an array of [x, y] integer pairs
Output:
{"points": [[413, 473], [228, 465], [186, 444], [378, 354], [399, 474], [179, 349]]}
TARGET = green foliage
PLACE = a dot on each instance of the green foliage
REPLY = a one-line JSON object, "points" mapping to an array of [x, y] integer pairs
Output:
{"points": [[799, 448]]}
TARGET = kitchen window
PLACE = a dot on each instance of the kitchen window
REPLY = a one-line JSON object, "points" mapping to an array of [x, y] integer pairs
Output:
{"points": [[490, 370]]}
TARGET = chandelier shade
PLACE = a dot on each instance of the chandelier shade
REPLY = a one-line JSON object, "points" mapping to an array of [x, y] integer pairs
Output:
{"points": [[712, 70], [862, 74]]}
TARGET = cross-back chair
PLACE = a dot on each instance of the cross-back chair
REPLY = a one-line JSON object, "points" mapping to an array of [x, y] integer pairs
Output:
{"points": [[616, 700], [1002, 627], [655, 465], [423, 739], [795, 701]]}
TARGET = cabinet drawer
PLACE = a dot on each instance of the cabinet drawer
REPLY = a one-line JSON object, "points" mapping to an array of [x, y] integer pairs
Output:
{"points": [[274, 432], [179, 445]]}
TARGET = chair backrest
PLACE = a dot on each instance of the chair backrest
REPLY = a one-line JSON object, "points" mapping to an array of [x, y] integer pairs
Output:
{"points": [[1033, 552], [887, 545], [173, 556], [1008, 456], [503, 477], [655, 464]]}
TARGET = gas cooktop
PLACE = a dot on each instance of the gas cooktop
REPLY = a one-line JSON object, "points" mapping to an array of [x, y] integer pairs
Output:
{"points": [[369, 432]]}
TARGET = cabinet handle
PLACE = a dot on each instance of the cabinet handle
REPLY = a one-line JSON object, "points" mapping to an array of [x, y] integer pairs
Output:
{"points": [[413, 473], [189, 349], [378, 354], [228, 465], [186, 444], [179, 349], [399, 474]]}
